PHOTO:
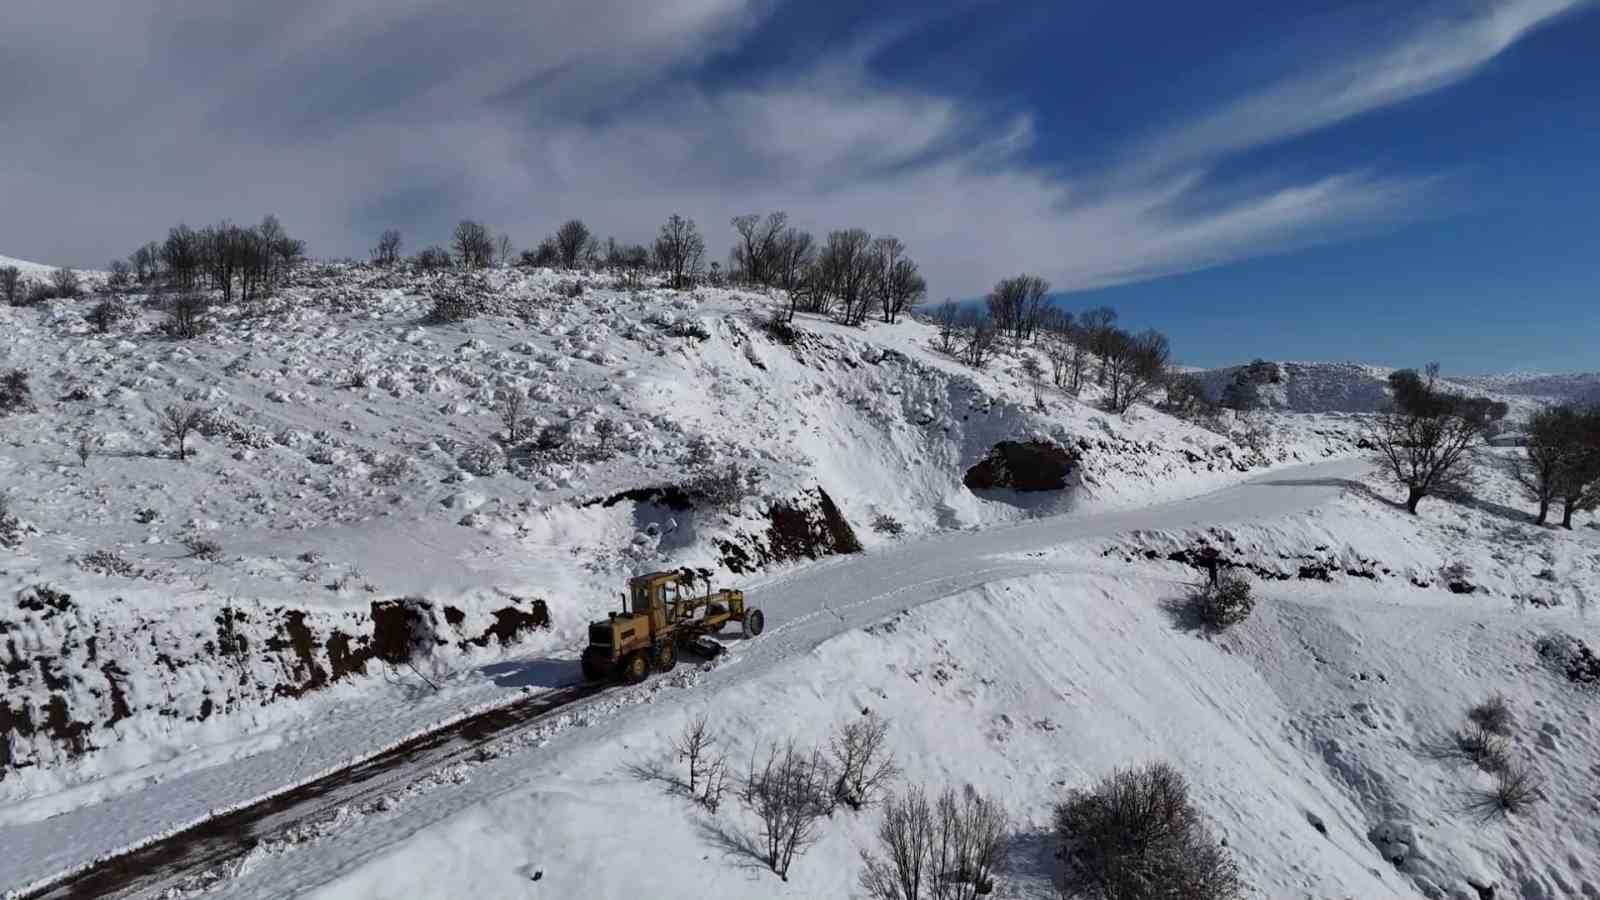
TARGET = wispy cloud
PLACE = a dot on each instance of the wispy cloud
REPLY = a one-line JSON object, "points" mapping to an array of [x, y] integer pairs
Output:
{"points": [[348, 116]]}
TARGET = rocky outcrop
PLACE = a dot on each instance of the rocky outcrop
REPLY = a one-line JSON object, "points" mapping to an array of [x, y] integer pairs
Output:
{"points": [[809, 526], [1023, 466]]}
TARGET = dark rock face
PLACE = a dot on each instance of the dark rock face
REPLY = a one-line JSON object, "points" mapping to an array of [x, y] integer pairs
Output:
{"points": [[809, 526], [1022, 466]]}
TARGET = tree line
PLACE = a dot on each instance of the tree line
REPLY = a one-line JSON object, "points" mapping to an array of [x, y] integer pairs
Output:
{"points": [[247, 262]]}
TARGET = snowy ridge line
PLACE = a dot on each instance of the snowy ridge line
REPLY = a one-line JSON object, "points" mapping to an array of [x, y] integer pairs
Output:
{"points": [[38, 887]]}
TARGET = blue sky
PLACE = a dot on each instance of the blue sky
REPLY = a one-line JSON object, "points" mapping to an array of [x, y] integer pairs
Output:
{"points": [[1371, 180]]}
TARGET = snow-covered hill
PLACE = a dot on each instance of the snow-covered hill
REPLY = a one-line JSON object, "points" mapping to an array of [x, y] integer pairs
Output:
{"points": [[350, 455]]}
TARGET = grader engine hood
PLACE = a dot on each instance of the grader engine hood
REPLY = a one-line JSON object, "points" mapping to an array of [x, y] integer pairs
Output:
{"points": [[616, 631]]}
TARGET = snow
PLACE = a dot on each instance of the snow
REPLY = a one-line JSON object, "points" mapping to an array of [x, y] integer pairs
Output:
{"points": [[1020, 643], [1315, 735]]}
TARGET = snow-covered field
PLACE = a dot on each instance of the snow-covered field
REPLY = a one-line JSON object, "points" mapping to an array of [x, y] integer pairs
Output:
{"points": [[351, 470]]}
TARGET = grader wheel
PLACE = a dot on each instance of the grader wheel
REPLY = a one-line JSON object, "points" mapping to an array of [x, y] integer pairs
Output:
{"points": [[753, 622], [635, 667], [666, 657]]}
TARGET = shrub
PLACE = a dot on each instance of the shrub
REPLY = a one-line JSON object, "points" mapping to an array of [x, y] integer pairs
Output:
{"points": [[884, 523], [1135, 835], [15, 396], [87, 441], [689, 330], [186, 316], [1493, 715], [450, 305], [725, 488], [553, 439], [946, 850], [780, 329], [11, 285], [36, 294], [1224, 604], [392, 470], [482, 459], [1484, 748], [10, 525], [107, 313], [109, 562], [511, 405], [432, 259], [203, 548], [1516, 788], [65, 282]]}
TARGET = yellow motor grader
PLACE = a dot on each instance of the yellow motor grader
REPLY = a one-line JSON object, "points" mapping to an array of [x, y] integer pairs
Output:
{"points": [[662, 614]]}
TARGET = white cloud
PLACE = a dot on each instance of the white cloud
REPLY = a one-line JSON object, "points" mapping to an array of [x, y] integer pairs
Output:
{"points": [[524, 114]]}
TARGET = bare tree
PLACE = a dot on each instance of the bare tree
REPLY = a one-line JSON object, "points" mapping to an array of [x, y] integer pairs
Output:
{"points": [[431, 259], [178, 421], [474, 246], [1016, 304], [790, 795], [862, 758], [694, 747], [1096, 326], [1425, 442], [121, 274], [87, 441], [503, 250], [1033, 371], [11, 285], [902, 287], [679, 250], [1142, 368], [948, 320], [571, 240], [950, 849], [756, 255], [795, 255], [512, 408], [387, 253], [980, 339]]}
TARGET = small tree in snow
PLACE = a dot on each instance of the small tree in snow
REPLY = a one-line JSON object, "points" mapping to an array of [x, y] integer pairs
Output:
{"points": [[512, 408], [791, 794], [862, 758], [1427, 440], [65, 282], [178, 421], [1034, 372]]}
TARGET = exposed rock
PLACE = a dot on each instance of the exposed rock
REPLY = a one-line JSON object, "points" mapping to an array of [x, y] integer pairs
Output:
{"points": [[1023, 466]]}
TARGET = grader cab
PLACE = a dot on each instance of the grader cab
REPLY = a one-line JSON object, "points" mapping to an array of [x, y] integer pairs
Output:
{"points": [[661, 615]]}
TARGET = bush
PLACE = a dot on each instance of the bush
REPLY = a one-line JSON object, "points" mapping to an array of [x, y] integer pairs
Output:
{"points": [[107, 313], [483, 460], [392, 470], [109, 562], [10, 525], [1492, 715], [723, 489], [1484, 748], [65, 282], [780, 329], [708, 769], [36, 294], [203, 548], [946, 850], [884, 523], [1224, 604], [11, 285], [186, 316], [15, 396], [432, 259], [1516, 788], [450, 305], [1135, 835]]}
